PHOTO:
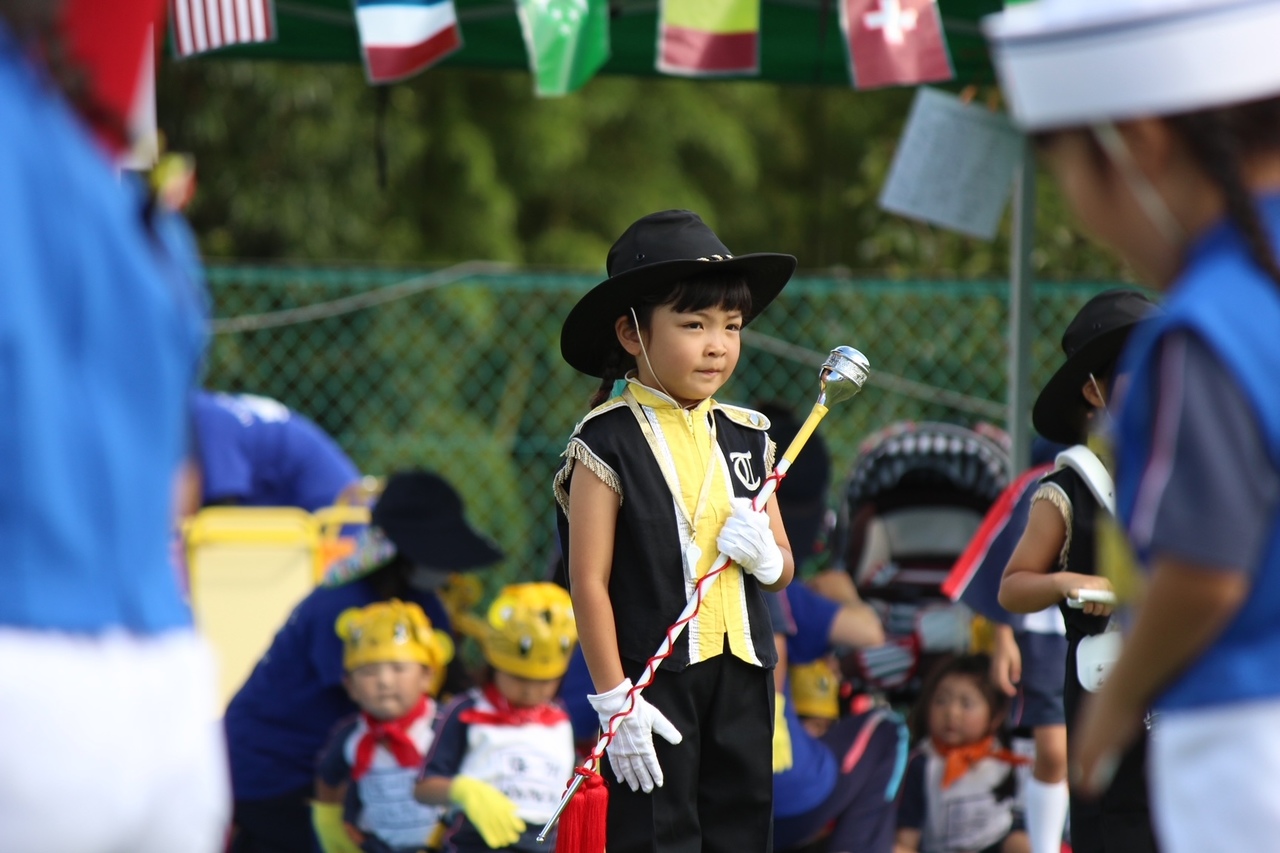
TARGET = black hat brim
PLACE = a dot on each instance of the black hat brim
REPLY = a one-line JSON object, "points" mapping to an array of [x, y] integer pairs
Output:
{"points": [[1059, 412], [457, 548], [588, 336]]}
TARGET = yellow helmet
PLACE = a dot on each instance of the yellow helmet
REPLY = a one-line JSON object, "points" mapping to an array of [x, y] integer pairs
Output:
{"points": [[392, 630], [815, 690], [531, 631]]}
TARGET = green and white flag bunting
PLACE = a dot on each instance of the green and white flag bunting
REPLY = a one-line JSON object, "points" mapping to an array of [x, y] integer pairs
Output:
{"points": [[567, 41]]}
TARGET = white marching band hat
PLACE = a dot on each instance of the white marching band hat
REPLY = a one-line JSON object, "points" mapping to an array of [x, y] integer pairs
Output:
{"points": [[1071, 63]]}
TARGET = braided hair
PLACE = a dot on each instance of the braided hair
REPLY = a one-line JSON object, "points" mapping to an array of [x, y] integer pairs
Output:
{"points": [[1219, 140]]}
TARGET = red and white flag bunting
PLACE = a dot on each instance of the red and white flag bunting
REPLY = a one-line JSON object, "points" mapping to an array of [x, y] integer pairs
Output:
{"points": [[894, 42], [203, 25]]}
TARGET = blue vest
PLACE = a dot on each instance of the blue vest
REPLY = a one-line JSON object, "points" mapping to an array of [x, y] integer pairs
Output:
{"points": [[101, 332], [1226, 300]]}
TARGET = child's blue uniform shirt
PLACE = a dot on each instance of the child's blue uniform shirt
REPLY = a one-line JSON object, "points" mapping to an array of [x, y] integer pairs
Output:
{"points": [[256, 452], [279, 721], [101, 331], [1224, 300]]}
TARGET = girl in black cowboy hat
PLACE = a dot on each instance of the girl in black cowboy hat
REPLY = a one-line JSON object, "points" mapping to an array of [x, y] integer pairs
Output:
{"points": [[1055, 558], [656, 480]]}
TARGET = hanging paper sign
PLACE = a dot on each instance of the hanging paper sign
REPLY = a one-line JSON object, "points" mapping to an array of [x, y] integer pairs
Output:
{"points": [[894, 42], [954, 165]]}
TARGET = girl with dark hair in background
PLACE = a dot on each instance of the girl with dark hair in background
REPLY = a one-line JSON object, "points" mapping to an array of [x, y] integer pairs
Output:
{"points": [[1160, 121]]}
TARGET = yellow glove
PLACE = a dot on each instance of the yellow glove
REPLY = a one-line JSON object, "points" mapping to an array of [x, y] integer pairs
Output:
{"points": [[489, 810], [781, 736], [326, 819]]}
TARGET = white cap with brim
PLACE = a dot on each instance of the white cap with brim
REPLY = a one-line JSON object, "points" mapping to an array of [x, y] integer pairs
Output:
{"points": [[1071, 63]]}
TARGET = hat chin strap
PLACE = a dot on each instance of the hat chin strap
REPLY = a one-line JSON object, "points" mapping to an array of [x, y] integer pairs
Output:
{"points": [[1149, 199], [645, 353]]}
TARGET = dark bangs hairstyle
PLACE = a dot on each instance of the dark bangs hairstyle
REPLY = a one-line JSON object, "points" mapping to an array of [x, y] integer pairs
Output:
{"points": [[725, 291], [1220, 140], [976, 667]]}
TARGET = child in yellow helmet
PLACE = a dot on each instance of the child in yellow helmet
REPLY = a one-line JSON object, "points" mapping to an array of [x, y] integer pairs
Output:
{"points": [[815, 690], [503, 751], [394, 661]]}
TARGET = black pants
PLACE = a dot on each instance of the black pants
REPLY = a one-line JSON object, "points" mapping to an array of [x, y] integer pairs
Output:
{"points": [[1120, 820], [275, 825], [718, 790]]}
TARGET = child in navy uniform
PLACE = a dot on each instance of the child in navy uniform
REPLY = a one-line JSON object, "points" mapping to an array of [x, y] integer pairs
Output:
{"points": [[959, 790], [393, 659], [503, 751], [1056, 556], [656, 481]]}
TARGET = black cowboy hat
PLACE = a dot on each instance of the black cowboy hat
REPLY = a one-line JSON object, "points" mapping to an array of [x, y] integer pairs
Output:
{"points": [[650, 257], [1092, 342]]}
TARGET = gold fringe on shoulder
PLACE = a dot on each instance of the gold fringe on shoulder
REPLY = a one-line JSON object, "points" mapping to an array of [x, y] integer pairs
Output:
{"points": [[577, 451], [770, 454], [1054, 494]]}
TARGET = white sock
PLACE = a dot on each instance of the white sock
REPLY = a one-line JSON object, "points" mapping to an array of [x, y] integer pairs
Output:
{"points": [[1046, 805]]}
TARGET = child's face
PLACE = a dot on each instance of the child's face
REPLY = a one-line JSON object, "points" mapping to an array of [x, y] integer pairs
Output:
{"points": [[1106, 206], [389, 689], [525, 692], [691, 353], [959, 713], [816, 726]]}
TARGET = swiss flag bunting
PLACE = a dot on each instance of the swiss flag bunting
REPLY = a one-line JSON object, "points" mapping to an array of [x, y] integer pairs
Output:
{"points": [[894, 42]]}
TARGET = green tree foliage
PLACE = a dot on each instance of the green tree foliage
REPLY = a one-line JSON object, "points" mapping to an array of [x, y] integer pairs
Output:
{"points": [[476, 167]]}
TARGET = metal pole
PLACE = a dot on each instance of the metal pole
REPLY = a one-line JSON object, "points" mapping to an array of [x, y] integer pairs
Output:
{"points": [[1024, 225]]}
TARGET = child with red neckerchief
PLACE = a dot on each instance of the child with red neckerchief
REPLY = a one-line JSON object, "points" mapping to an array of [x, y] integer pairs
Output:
{"points": [[958, 793], [503, 751], [394, 662]]}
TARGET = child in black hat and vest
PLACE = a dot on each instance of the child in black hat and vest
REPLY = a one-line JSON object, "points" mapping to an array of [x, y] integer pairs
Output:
{"points": [[656, 481], [1055, 559]]}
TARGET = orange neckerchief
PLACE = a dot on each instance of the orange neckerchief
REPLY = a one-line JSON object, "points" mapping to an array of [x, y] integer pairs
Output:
{"points": [[960, 759]]}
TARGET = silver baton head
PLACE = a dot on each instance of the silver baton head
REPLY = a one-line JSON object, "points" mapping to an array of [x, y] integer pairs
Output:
{"points": [[842, 375]]}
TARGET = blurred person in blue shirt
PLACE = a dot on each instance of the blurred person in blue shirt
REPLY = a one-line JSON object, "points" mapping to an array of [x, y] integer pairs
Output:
{"points": [[278, 723], [109, 738], [254, 451]]}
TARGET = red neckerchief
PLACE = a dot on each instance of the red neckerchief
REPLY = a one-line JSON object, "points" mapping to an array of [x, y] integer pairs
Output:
{"points": [[394, 735], [960, 759], [506, 714]]}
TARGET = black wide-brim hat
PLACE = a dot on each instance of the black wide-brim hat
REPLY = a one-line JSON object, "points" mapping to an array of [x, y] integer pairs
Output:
{"points": [[1093, 341], [423, 517], [648, 260]]}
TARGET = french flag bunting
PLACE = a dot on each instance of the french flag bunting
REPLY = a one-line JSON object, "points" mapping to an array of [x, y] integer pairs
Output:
{"points": [[894, 42], [975, 577], [706, 38], [400, 38], [200, 26]]}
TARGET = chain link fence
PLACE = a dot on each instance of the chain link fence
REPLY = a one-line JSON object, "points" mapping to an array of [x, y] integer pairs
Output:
{"points": [[459, 370]]}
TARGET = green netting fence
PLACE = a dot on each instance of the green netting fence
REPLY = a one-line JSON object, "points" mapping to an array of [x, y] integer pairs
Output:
{"points": [[459, 370]]}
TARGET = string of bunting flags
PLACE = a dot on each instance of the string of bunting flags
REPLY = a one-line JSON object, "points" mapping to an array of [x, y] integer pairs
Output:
{"points": [[887, 42]]}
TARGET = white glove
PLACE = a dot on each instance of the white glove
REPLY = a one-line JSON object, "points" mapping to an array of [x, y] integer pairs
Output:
{"points": [[747, 540], [631, 751]]}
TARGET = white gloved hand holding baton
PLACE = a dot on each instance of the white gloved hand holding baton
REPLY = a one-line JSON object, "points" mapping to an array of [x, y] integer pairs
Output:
{"points": [[631, 752], [748, 540]]}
